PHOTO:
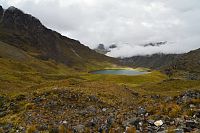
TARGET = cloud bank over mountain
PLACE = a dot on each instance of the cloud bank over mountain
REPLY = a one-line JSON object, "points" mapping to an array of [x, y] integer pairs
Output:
{"points": [[127, 23]]}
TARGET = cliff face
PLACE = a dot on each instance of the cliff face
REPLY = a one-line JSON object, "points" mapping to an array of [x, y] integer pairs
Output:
{"points": [[1, 12]]}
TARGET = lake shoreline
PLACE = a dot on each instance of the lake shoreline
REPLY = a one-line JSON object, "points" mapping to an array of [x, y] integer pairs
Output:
{"points": [[141, 69], [120, 71]]}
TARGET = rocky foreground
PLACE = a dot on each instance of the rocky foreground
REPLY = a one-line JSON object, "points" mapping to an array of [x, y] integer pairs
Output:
{"points": [[61, 110]]}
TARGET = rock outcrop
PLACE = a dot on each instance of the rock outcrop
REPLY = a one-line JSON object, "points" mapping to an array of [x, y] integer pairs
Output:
{"points": [[1, 12], [101, 49]]}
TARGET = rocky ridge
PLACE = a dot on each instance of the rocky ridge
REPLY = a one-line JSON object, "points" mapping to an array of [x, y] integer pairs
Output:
{"points": [[27, 33]]}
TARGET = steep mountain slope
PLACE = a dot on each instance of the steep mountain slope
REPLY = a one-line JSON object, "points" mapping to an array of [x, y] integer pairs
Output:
{"points": [[28, 34], [155, 61], [31, 54], [19, 70], [189, 62], [181, 65]]}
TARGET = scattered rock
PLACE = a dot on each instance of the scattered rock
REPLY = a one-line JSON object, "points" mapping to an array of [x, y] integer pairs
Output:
{"points": [[43, 127], [37, 100], [158, 123], [110, 120], [93, 122], [20, 97], [191, 124], [79, 129], [64, 122], [93, 98], [192, 106], [92, 116], [131, 121], [104, 109], [155, 96], [2, 114], [141, 111], [187, 129], [151, 122], [179, 131]]}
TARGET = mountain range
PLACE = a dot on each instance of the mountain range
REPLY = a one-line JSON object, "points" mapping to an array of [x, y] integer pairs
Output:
{"points": [[46, 84], [29, 38], [23, 37]]}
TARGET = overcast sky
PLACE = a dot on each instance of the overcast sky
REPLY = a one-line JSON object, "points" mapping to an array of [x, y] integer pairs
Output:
{"points": [[127, 23]]}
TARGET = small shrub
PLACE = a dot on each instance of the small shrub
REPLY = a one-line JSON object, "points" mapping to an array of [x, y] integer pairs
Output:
{"points": [[31, 129], [171, 130], [20, 97], [112, 130], [29, 106], [131, 130], [175, 110], [62, 129], [1, 130], [189, 112]]}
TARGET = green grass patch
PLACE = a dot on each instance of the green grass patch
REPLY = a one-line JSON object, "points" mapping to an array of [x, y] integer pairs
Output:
{"points": [[170, 87]]}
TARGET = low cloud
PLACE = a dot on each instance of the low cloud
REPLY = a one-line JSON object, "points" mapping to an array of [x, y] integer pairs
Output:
{"points": [[181, 46], [124, 22]]}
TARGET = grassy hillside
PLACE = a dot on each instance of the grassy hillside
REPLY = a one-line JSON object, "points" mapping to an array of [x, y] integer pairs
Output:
{"points": [[31, 54], [186, 66], [44, 98], [189, 62], [19, 70]]}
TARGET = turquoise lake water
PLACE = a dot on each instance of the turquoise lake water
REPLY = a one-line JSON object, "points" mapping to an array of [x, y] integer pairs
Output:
{"points": [[119, 72]]}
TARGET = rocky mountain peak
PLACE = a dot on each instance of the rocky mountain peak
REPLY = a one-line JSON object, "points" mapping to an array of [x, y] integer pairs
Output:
{"points": [[101, 49], [104, 50], [101, 46], [15, 19], [12, 8]]}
